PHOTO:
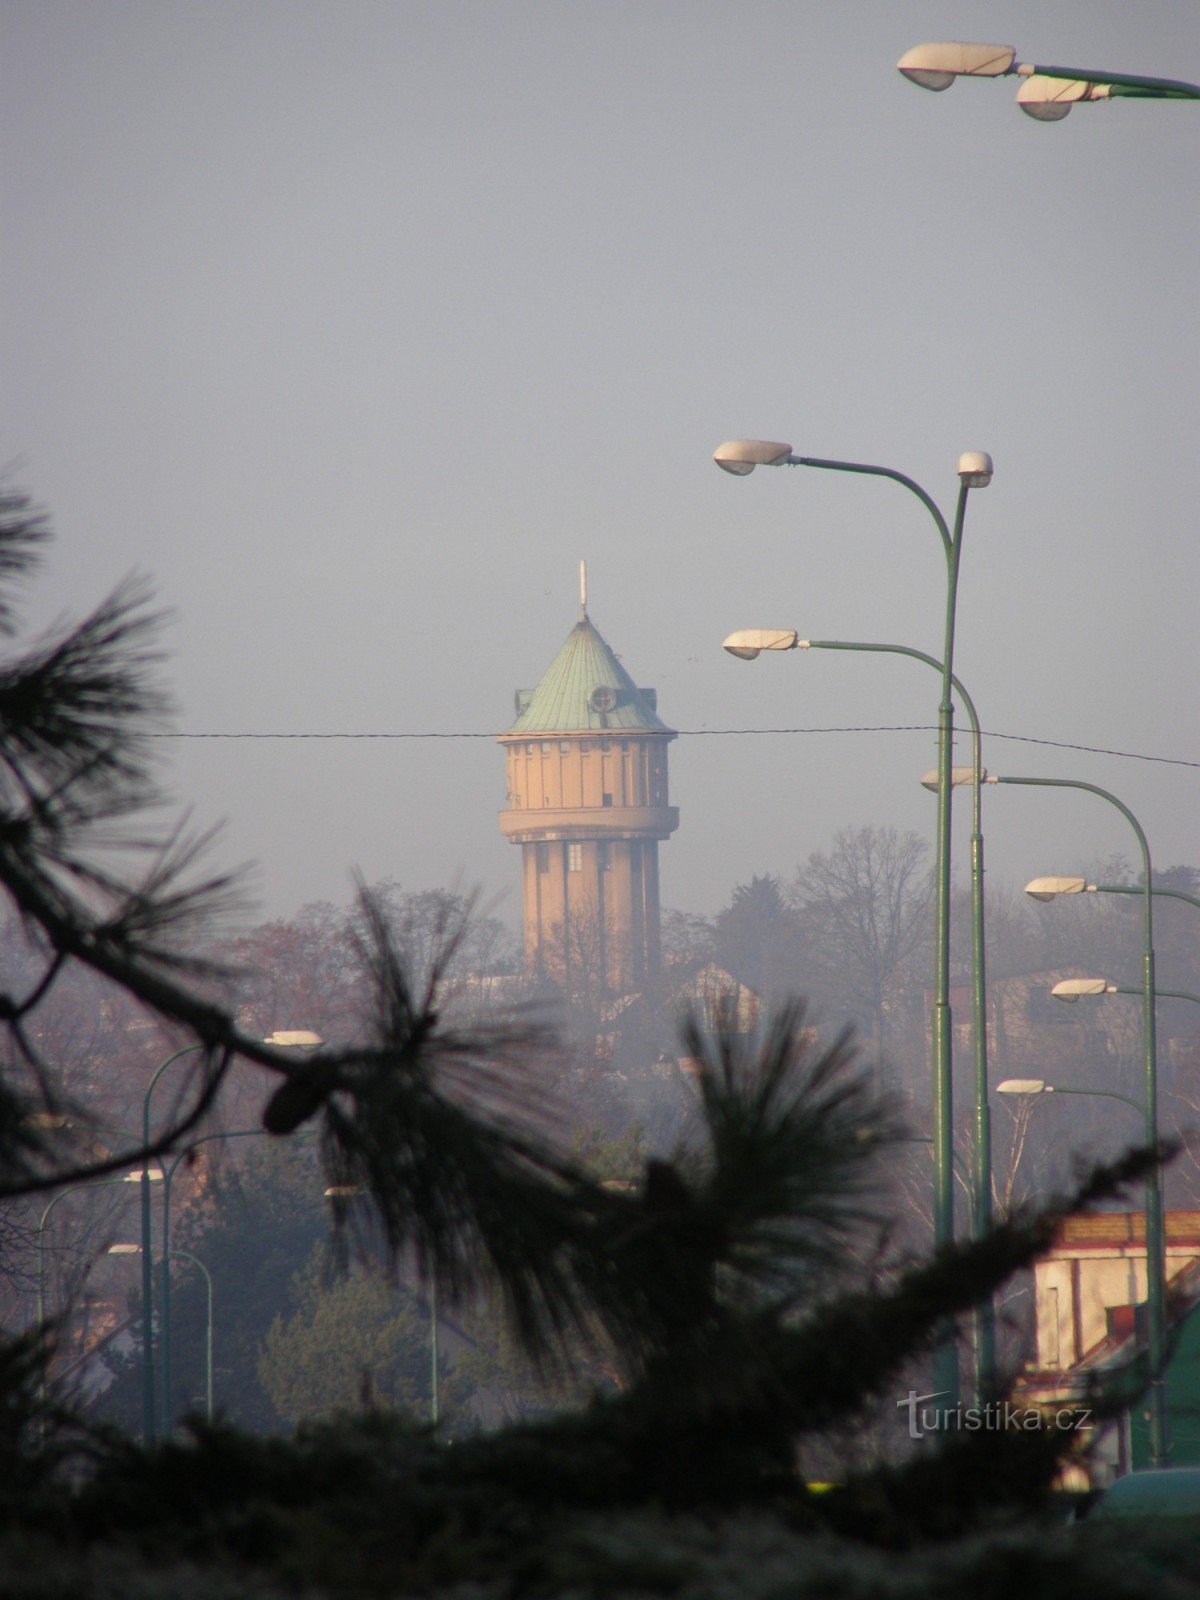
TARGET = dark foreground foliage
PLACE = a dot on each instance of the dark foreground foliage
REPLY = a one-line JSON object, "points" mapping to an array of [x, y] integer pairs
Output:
{"points": [[736, 1297], [369, 1508]]}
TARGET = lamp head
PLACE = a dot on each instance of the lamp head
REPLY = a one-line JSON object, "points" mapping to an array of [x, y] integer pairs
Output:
{"points": [[975, 469], [747, 643], [1022, 1086], [1050, 99], [935, 66], [959, 776], [741, 456], [1072, 989], [1047, 888]]}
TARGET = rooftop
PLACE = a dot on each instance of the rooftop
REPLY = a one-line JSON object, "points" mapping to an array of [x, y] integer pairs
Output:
{"points": [[586, 689]]}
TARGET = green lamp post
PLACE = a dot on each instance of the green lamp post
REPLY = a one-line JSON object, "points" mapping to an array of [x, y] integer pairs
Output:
{"points": [[740, 457], [149, 1428], [165, 1329], [143, 1177], [748, 643], [1045, 93], [185, 1255], [291, 1039], [1156, 1261]]}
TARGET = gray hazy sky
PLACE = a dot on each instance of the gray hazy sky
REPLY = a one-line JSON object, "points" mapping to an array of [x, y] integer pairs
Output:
{"points": [[357, 324]]}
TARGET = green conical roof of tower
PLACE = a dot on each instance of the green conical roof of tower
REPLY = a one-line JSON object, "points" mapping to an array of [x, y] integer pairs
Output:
{"points": [[585, 688]]}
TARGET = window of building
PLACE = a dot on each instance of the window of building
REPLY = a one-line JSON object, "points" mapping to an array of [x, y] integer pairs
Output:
{"points": [[1053, 1344], [606, 799], [603, 859], [543, 857], [565, 746], [574, 858]]}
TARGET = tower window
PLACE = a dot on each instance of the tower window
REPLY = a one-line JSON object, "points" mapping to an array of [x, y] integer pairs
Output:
{"points": [[565, 746], [606, 799], [574, 858], [543, 857]]}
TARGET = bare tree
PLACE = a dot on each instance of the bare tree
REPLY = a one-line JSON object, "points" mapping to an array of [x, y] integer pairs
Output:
{"points": [[865, 904]]}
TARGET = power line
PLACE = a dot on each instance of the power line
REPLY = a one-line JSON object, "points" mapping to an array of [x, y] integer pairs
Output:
{"points": [[730, 733]]}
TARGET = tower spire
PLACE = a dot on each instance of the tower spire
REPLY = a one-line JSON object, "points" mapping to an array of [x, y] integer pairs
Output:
{"points": [[583, 591]]}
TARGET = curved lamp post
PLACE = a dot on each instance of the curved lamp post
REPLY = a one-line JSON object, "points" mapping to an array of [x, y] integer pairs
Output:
{"points": [[741, 456], [1046, 93], [1156, 1259], [139, 1177], [289, 1039], [748, 643], [185, 1255], [75, 1188], [165, 1330], [1034, 1088], [149, 1427]]}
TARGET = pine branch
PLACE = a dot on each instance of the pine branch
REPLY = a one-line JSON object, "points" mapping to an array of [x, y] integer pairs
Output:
{"points": [[72, 709], [23, 530], [439, 1125]]}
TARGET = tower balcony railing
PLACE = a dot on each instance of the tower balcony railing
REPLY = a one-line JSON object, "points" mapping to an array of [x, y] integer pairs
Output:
{"points": [[589, 822]]}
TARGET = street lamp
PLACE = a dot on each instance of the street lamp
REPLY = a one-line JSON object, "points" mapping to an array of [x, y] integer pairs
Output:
{"points": [[747, 644], [148, 1418], [1073, 989], [1050, 888], [1046, 93], [287, 1039], [1033, 1087], [741, 456], [164, 1329], [1156, 1258], [75, 1188], [185, 1255]]}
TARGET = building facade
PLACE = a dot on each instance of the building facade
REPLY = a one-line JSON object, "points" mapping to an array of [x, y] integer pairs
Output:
{"points": [[1090, 1289], [588, 804]]}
